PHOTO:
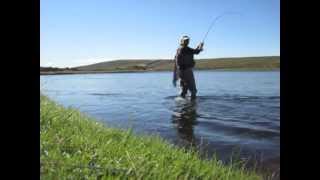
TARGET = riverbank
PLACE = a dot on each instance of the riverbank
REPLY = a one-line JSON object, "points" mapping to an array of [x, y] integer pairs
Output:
{"points": [[75, 146], [263, 63], [148, 71]]}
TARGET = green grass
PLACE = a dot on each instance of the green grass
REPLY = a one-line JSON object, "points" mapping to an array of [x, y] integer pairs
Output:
{"points": [[75, 146]]}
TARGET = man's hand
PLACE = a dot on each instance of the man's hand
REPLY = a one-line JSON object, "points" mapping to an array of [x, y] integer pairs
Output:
{"points": [[201, 45]]}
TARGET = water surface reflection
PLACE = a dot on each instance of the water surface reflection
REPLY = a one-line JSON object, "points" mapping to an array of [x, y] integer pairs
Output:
{"points": [[185, 118]]}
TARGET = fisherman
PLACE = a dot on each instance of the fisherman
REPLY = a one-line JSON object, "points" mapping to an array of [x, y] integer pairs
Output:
{"points": [[183, 65]]}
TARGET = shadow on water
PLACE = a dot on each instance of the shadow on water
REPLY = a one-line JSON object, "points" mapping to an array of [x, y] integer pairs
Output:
{"points": [[185, 118]]}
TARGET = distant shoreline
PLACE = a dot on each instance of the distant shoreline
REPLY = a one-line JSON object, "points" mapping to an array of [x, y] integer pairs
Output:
{"points": [[263, 63], [146, 71]]}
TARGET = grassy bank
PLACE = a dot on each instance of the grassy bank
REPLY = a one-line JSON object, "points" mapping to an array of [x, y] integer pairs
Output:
{"points": [[73, 146]]}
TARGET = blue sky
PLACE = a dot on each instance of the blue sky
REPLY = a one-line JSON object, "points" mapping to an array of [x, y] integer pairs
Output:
{"points": [[79, 32]]}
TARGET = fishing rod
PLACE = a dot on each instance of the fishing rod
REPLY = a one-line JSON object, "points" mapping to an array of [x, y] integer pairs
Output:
{"points": [[214, 22], [205, 36]]}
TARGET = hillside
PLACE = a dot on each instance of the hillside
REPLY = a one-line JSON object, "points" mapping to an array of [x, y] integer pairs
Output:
{"points": [[270, 62], [242, 63]]}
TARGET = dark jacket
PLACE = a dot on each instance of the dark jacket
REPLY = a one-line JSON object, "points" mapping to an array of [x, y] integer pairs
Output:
{"points": [[184, 57]]}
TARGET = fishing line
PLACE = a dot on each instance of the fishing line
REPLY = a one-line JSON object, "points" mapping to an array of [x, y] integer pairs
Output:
{"points": [[214, 22]]}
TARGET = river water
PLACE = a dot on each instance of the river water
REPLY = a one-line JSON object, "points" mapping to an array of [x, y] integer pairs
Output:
{"points": [[236, 113]]}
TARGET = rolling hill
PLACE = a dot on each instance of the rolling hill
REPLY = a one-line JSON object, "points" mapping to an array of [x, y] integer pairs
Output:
{"points": [[236, 63]]}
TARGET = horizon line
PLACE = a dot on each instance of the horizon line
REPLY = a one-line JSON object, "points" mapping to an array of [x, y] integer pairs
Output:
{"points": [[148, 59]]}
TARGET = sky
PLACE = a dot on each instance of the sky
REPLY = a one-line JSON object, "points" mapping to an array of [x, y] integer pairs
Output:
{"points": [[81, 32]]}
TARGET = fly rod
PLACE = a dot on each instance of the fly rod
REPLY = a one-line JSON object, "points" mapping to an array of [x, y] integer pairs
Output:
{"points": [[214, 22]]}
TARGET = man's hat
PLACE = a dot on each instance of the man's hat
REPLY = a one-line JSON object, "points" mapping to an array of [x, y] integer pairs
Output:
{"points": [[184, 39]]}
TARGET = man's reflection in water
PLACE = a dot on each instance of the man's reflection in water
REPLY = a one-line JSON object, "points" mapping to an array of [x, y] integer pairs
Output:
{"points": [[185, 116]]}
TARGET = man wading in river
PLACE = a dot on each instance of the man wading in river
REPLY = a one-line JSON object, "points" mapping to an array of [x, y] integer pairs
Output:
{"points": [[183, 66]]}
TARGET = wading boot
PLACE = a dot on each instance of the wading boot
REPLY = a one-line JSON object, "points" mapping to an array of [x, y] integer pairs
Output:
{"points": [[183, 95]]}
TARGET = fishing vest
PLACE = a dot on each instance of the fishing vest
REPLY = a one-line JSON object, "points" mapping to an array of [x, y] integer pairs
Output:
{"points": [[184, 58]]}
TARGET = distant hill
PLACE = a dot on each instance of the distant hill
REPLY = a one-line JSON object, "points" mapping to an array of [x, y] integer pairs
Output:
{"points": [[266, 62], [236, 63], [116, 65]]}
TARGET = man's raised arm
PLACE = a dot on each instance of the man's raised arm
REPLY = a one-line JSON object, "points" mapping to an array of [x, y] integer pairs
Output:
{"points": [[198, 49]]}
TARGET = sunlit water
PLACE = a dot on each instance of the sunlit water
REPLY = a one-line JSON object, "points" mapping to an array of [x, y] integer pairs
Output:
{"points": [[236, 112]]}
